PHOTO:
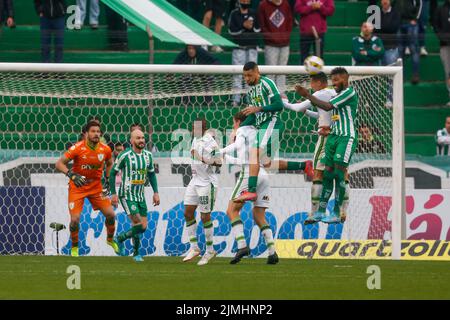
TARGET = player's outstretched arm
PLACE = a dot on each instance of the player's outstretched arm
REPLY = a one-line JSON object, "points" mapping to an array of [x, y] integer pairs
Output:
{"points": [[237, 144], [297, 107], [276, 105], [324, 105]]}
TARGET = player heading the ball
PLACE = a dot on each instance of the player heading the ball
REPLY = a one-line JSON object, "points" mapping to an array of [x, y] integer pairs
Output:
{"points": [[264, 105], [341, 142]]}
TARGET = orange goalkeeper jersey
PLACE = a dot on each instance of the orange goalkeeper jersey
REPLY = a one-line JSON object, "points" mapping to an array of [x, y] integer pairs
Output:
{"points": [[89, 163]]}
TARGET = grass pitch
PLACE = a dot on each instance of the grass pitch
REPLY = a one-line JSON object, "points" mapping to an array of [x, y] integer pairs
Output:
{"points": [[44, 277]]}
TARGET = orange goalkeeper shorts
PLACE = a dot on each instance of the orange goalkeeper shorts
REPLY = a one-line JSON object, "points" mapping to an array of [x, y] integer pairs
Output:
{"points": [[95, 197]]}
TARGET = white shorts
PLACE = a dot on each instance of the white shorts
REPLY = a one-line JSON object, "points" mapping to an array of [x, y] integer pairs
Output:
{"points": [[319, 153], [201, 196], [262, 189]]}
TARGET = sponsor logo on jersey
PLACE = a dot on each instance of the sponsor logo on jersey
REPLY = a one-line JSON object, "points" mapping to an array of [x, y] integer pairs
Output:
{"points": [[335, 117], [137, 182], [140, 171], [90, 167]]}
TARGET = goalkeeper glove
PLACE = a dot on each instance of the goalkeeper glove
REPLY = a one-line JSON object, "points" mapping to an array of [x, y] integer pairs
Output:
{"points": [[76, 178]]}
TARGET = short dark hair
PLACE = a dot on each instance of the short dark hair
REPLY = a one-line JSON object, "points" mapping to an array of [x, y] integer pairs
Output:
{"points": [[90, 124], [134, 126], [240, 116], [339, 70], [118, 144], [322, 77], [250, 66]]}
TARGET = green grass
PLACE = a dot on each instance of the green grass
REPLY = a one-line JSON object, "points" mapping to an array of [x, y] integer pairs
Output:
{"points": [[40, 277]]}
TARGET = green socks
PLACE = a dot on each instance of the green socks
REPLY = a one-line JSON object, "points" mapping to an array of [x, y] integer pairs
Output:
{"points": [[327, 190], [252, 183], [135, 230], [294, 165], [340, 190]]}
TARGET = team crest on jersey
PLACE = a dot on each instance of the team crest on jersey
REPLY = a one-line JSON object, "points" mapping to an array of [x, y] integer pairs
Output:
{"points": [[101, 156], [133, 207], [72, 148], [71, 205]]}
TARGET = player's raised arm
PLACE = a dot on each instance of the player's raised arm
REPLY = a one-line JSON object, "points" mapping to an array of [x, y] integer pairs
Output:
{"points": [[324, 105], [297, 107]]}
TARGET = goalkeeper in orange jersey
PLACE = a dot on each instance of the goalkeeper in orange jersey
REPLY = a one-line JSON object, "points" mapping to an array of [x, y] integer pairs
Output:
{"points": [[89, 156]]}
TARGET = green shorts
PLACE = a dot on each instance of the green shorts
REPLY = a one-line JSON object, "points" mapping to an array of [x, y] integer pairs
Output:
{"points": [[134, 207], [269, 136], [339, 150]]}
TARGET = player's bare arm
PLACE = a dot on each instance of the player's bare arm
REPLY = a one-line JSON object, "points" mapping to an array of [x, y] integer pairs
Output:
{"points": [[61, 165], [324, 105]]}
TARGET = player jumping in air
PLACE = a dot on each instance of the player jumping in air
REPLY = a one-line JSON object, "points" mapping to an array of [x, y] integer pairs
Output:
{"points": [[264, 104], [245, 137], [136, 166], [319, 85], [341, 142], [89, 157], [201, 191]]}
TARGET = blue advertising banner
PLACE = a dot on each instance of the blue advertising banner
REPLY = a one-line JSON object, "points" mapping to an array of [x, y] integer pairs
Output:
{"points": [[22, 220]]}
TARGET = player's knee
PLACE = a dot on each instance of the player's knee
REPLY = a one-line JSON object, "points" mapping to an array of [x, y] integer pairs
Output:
{"points": [[75, 220], [206, 217], [318, 175], [329, 175]]}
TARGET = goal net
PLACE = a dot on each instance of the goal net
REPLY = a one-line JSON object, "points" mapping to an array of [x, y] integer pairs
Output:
{"points": [[43, 109]]}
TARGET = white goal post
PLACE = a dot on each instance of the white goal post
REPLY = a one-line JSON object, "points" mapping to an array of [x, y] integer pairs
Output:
{"points": [[149, 90]]}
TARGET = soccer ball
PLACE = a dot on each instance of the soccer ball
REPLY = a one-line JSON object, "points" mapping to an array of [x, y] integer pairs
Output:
{"points": [[313, 65]]}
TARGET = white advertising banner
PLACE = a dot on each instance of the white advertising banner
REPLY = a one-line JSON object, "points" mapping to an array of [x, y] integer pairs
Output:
{"points": [[428, 217]]}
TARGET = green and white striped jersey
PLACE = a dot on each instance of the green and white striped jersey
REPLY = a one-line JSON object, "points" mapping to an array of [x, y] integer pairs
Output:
{"points": [[134, 167], [344, 114], [260, 95], [443, 142]]}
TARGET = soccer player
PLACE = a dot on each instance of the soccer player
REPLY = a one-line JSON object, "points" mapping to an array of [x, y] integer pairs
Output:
{"points": [[319, 85], [265, 103], [89, 157], [341, 142], [201, 191], [245, 137], [136, 165]]}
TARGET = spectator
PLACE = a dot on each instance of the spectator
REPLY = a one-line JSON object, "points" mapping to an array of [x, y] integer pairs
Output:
{"points": [[80, 14], [117, 30], [191, 83], [390, 24], [409, 33], [7, 13], [118, 148], [313, 13], [441, 23], [216, 9], [51, 13], [276, 21], [195, 55], [243, 26], [423, 21], [443, 139], [367, 142], [367, 49]]}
